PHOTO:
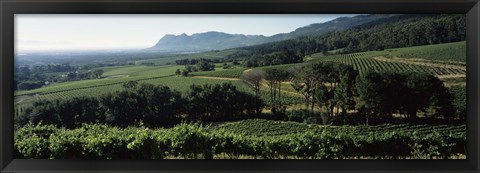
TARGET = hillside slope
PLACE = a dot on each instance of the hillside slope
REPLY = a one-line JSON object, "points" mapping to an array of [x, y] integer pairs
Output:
{"points": [[214, 40]]}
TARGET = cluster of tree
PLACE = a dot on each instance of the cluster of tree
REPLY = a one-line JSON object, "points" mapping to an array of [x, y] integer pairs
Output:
{"points": [[336, 89], [326, 86], [91, 74], [32, 77], [392, 32], [200, 65], [154, 106], [380, 95], [196, 61], [284, 56], [209, 103]]}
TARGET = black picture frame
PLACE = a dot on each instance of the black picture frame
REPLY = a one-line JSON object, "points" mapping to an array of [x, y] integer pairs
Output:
{"points": [[10, 7]]}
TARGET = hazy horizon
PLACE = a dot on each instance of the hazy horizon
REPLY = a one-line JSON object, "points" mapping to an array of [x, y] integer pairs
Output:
{"points": [[57, 32]]}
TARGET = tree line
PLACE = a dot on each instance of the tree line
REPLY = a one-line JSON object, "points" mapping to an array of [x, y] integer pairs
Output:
{"points": [[195, 65], [154, 106]]}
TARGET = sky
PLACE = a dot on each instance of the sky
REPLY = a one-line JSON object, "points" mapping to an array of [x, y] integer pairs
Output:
{"points": [[138, 31]]}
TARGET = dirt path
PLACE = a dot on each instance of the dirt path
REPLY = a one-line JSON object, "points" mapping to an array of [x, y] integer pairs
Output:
{"points": [[451, 76], [20, 99], [117, 76], [217, 78]]}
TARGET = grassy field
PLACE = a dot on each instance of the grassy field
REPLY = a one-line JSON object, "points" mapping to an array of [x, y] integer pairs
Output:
{"points": [[129, 73]]}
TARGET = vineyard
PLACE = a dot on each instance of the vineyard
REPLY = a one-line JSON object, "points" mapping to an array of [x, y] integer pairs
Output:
{"points": [[363, 62], [446, 52], [260, 127], [242, 140]]}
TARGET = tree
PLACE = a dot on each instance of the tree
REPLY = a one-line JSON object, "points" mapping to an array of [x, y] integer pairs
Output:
{"points": [[177, 72], [253, 79], [185, 73], [130, 84], [188, 68], [43, 111], [220, 102], [71, 75], [235, 62], [205, 66], [274, 78], [155, 106], [97, 73], [370, 90], [382, 94], [303, 82], [344, 93]]}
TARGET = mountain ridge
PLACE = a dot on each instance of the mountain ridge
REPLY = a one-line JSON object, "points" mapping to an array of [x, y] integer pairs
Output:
{"points": [[217, 40]]}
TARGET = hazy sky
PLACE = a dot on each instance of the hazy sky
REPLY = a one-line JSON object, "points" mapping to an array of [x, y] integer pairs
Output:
{"points": [[87, 32]]}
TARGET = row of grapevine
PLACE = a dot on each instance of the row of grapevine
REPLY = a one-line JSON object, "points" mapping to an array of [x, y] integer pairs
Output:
{"points": [[197, 141], [260, 127], [365, 62]]}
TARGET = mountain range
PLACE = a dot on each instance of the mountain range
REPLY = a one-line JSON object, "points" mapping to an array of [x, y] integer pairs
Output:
{"points": [[214, 40]]}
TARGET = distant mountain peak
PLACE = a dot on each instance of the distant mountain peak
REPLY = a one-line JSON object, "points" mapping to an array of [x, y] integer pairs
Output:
{"points": [[216, 40]]}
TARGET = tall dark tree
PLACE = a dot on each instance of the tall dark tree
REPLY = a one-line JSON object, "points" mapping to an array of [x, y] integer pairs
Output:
{"points": [[253, 79], [274, 78]]}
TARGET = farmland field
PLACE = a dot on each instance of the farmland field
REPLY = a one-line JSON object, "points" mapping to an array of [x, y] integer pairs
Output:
{"points": [[373, 86]]}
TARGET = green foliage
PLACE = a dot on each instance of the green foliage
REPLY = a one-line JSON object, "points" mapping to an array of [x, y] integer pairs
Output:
{"points": [[155, 106], [206, 66], [247, 139], [220, 102], [459, 101], [383, 94]]}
